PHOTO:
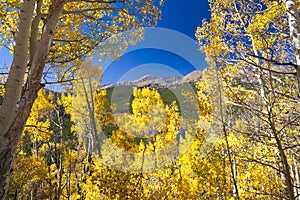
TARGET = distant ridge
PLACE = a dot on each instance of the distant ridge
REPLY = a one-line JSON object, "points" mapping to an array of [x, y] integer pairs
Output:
{"points": [[192, 77], [147, 78], [157, 82]]}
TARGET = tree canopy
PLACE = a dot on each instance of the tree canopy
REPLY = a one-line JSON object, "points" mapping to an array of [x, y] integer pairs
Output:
{"points": [[49, 39], [242, 144]]}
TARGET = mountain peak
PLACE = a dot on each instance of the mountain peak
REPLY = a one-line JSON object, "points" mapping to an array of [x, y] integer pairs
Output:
{"points": [[157, 82], [147, 78], [192, 77]]}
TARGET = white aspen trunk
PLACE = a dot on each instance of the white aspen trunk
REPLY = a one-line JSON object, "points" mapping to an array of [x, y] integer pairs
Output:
{"points": [[297, 178], [33, 42], [235, 176], [296, 40], [13, 117], [60, 169], [89, 99], [282, 155], [15, 80], [294, 25]]}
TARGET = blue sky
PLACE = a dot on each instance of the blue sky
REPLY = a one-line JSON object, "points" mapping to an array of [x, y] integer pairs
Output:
{"points": [[179, 16], [171, 51], [5, 59], [184, 16]]}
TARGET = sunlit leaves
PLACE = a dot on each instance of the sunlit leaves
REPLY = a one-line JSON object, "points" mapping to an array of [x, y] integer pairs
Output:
{"points": [[247, 41], [151, 121]]}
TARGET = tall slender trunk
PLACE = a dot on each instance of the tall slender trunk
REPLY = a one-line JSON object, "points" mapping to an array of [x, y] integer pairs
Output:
{"points": [[15, 80], [282, 155], [232, 166], [89, 98], [294, 25], [286, 170], [12, 125], [224, 131], [296, 177], [13, 87], [60, 125]]}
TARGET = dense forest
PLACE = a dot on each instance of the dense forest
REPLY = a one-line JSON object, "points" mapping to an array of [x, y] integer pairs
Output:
{"points": [[235, 134]]}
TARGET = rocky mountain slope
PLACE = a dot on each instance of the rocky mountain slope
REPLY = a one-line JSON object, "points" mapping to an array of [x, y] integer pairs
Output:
{"points": [[158, 82]]}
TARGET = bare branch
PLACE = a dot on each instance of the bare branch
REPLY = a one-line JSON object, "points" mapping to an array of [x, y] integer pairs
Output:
{"points": [[57, 82], [261, 67], [274, 61]]}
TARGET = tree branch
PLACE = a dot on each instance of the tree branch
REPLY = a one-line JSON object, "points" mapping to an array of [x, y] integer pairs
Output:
{"points": [[274, 61]]}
